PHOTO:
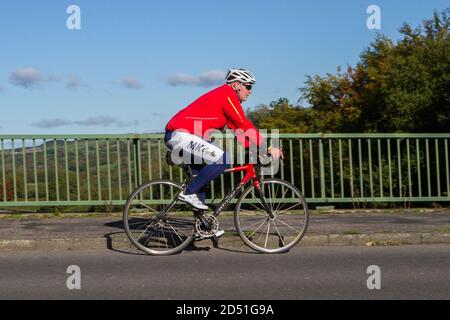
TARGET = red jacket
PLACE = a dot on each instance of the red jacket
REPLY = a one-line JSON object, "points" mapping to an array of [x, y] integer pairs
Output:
{"points": [[215, 110]]}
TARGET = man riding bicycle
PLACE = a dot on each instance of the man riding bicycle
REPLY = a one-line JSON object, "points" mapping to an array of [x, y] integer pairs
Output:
{"points": [[188, 132]]}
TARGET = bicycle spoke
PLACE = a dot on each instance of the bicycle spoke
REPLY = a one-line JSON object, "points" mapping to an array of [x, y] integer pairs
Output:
{"points": [[176, 233], [148, 236], [165, 237], [259, 220], [165, 211], [290, 227], [267, 235], [279, 235], [173, 240], [256, 212], [255, 206], [270, 199], [281, 201], [260, 202], [143, 232], [135, 223], [159, 241], [251, 235], [146, 206], [295, 205], [139, 224], [276, 192]]}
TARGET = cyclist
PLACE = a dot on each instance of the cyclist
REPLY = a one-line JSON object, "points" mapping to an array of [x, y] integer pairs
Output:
{"points": [[188, 132]]}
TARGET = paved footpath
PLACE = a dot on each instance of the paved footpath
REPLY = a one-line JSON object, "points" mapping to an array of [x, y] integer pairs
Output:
{"points": [[340, 228]]}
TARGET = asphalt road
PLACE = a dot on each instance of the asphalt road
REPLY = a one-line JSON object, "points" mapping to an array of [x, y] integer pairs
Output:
{"points": [[406, 272]]}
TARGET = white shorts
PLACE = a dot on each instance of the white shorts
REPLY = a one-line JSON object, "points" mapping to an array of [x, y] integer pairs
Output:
{"points": [[185, 145]]}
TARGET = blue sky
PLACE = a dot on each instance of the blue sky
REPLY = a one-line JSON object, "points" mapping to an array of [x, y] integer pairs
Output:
{"points": [[134, 63]]}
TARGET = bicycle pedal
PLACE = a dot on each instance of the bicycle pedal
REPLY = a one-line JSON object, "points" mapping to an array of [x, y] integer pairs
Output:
{"points": [[218, 234], [198, 237]]}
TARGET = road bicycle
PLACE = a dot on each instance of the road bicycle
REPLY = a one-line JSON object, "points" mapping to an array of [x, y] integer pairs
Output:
{"points": [[270, 215]]}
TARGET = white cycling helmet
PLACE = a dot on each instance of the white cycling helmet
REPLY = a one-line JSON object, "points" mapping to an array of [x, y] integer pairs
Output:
{"points": [[240, 75]]}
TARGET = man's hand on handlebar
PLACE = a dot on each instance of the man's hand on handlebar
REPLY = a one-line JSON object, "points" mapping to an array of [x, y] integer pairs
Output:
{"points": [[276, 153]]}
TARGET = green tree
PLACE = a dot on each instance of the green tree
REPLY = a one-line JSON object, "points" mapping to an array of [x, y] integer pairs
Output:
{"points": [[402, 87], [395, 87], [280, 115]]}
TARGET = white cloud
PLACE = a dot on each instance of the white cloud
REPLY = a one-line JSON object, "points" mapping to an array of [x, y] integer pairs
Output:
{"points": [[51, 123], [105, 121], [102, 121], [181, 79], [131, 83], [206, 79], [26, 77], [55, 78], [73, 83], [31, 77], [212, 78]]}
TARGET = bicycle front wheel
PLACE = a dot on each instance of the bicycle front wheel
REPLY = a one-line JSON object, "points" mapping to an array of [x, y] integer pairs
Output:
{"points": [[155, 221], [279, 232]]}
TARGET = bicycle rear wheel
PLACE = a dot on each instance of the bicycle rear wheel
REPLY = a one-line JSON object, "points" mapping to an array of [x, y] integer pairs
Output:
{"points": [[271, 235], [157, 223]]}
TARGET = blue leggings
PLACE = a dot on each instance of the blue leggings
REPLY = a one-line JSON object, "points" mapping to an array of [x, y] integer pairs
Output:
{"points": [[205, 173]]}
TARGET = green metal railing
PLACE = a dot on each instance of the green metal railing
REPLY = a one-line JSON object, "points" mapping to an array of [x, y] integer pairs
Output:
{"points": [[86, 170]]}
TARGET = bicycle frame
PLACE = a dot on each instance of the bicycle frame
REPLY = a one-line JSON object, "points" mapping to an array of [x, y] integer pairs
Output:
{"points": [[250, 174]]}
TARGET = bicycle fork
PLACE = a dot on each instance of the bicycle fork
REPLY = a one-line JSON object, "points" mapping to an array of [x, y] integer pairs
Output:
{"points": [[263, 199]]}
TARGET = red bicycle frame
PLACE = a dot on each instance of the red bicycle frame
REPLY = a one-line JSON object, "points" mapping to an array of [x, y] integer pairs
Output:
{"points": [[250, 174]]}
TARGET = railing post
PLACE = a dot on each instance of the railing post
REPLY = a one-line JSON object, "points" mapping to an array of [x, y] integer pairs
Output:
{"points": [[137, 162], [322, 168]]}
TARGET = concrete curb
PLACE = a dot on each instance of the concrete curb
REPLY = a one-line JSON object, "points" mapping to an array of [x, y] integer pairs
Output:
{"points": [[53, 244], [119, 242]]}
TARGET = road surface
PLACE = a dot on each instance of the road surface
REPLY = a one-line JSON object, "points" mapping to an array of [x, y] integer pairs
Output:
{"points": [[404, 272]]}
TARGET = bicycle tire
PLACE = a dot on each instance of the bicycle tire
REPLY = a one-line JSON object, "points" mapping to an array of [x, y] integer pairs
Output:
{"points": [[292, 223], [150, 233]]}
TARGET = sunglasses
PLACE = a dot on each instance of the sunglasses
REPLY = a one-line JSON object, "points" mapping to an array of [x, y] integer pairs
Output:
{"points": [[248, 86]]}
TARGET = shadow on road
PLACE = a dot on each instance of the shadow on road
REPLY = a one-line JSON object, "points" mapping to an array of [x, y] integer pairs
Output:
{"points": [[118, 241]]}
